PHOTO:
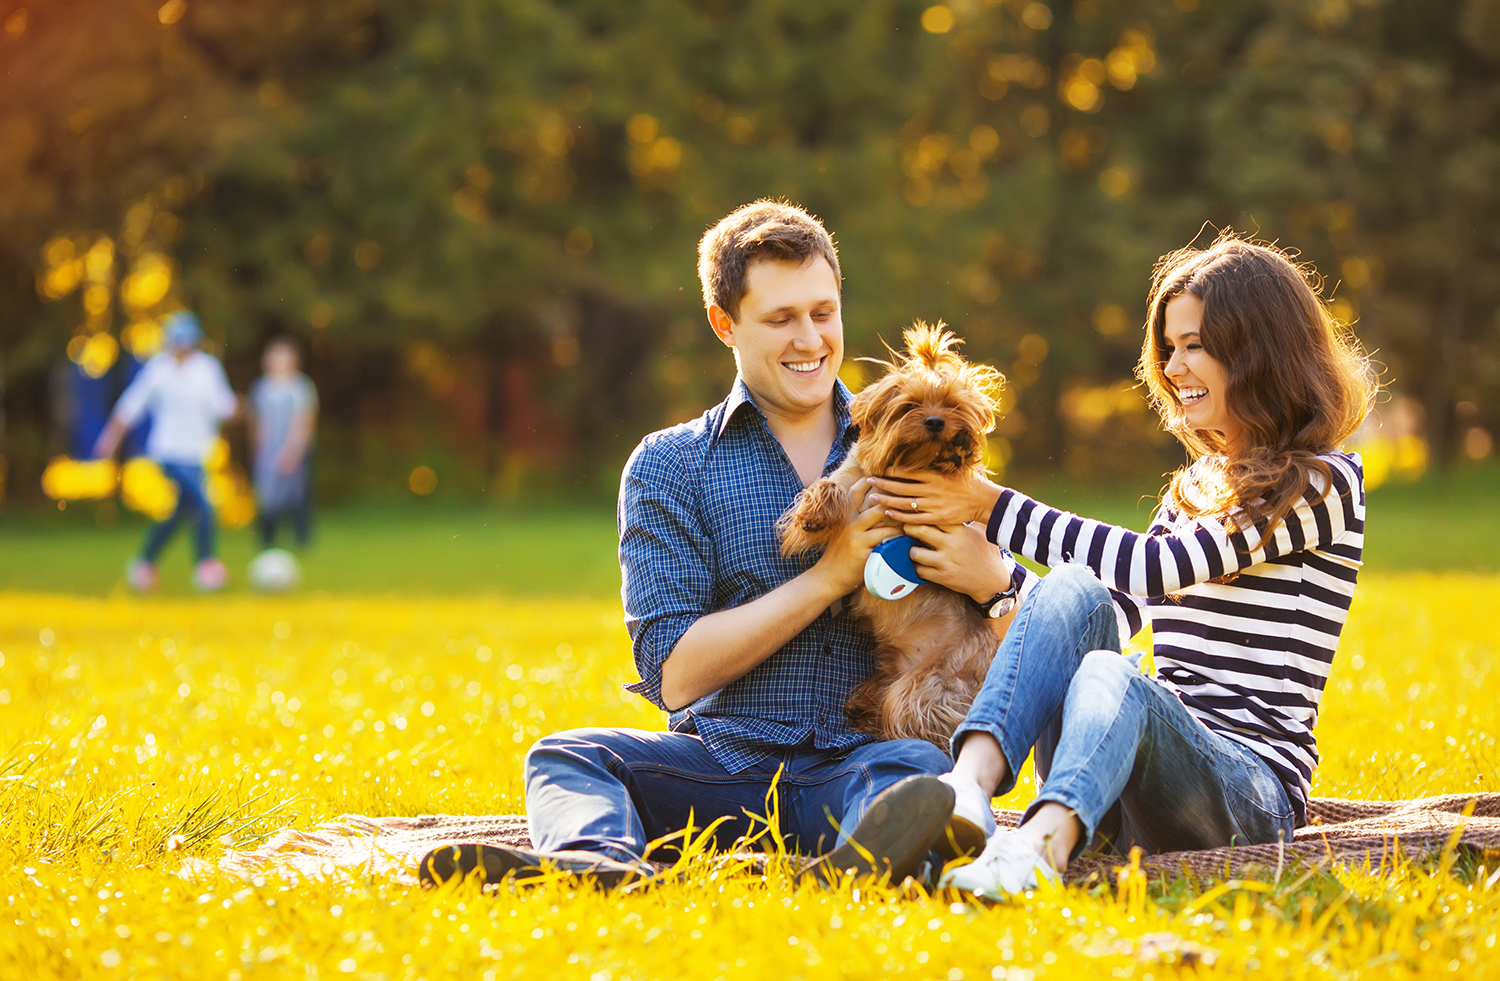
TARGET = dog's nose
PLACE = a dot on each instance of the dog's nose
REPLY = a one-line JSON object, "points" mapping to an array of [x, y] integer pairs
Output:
{"points": [[934, 424]]}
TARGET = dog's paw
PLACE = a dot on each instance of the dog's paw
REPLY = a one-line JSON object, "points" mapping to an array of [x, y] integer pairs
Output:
{"points": [[814, 517]]}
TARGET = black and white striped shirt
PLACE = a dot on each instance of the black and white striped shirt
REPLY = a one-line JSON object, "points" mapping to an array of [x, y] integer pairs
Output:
{"points": [[1248, 657]]}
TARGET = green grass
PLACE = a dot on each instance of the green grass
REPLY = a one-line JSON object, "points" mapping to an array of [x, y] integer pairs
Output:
{"points": [[1448, 521], [416, 551]]}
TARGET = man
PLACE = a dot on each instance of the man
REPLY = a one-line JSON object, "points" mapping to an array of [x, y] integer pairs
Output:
{"points": [[188, 397], [283, 417], [751, 654]]}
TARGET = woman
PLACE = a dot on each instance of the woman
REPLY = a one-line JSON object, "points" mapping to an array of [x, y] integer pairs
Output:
{"points": [[1246, 574]]}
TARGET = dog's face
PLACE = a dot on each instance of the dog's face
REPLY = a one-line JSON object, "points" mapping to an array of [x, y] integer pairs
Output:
{"points": [[931, 411]]}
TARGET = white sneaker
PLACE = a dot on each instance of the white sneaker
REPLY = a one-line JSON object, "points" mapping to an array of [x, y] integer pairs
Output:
{"points": [[972, 822], [1008, 866]]}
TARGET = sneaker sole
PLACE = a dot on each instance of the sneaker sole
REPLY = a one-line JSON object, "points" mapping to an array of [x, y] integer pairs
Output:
{"points": [[494, 863], [895, 834], [962, 838]]}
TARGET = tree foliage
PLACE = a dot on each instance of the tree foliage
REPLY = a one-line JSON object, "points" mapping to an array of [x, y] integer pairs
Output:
{"points": [[493, 204]]}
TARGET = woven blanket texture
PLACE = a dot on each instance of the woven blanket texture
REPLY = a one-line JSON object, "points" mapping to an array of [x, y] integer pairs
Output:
{"points": [[1339, 831]]}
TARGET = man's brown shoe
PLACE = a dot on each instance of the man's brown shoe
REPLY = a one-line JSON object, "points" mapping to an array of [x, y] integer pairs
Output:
{"points": [[898, 830], [495, 862]]}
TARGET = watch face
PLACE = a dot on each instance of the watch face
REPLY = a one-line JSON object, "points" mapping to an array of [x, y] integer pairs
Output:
{"points": [[1001, 607]]}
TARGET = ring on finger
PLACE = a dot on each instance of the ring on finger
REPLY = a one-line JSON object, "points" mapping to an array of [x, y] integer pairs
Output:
{"points": [[913, 505]]}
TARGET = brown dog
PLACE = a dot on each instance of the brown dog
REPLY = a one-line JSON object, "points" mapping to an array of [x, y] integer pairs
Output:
{"points": [[929, 412]]}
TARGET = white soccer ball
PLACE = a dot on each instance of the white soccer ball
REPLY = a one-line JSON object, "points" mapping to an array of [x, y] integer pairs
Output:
{"points": [[275, 571]]}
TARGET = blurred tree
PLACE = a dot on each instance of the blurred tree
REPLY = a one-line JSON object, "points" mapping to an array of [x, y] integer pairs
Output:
{"points": [[492, 205], [1369, 135]]}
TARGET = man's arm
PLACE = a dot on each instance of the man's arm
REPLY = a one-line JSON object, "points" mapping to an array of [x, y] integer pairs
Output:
{"points": [[225, 404], [127, 412], [723, 647], [298, 438]]}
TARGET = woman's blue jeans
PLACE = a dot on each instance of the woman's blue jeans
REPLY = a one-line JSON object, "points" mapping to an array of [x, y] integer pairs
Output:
{"points": [[1112, 745], [190, 497]]}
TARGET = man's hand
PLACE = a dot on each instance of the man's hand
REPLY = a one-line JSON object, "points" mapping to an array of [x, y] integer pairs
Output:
{"points": [[921, 497], [109, 439], [721, 647], [959, 557], [842, 566]]}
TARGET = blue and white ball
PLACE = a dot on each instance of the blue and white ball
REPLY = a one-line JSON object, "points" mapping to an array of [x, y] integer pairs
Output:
{"points": [[275, 571]]}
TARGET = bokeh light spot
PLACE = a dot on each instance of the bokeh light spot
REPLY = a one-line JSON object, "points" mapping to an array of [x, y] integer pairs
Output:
{"points": [[642, 128], [1037, 16], [1115, 181], [367, 254], [937, 20], [423, 480]]}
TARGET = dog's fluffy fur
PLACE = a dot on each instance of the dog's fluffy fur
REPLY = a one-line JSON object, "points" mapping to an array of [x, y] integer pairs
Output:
{"points": [[933, 646]]}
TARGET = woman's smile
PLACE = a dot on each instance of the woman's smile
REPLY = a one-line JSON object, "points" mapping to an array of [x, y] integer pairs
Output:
{"points": [[1200, 381], [1191, 396]]}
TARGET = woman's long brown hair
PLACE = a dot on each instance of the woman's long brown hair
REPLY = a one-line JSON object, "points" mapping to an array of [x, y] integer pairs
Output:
{"points": [[1299, 385]]}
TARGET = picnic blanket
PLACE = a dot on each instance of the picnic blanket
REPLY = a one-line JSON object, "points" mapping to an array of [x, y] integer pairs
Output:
{"points": [[1339, 831]]}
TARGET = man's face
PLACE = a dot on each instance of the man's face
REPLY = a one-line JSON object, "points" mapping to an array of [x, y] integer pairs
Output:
{"points": [[280, 360], [789, 339]]}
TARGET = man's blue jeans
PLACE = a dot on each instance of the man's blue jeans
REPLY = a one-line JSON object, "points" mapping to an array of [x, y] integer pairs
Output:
{"points": [[1112, 745], [613, 791], [190, 497]]}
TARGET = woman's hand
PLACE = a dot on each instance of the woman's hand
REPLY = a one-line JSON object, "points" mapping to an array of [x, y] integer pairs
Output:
{"points": [[960, 558], [921, 497]]}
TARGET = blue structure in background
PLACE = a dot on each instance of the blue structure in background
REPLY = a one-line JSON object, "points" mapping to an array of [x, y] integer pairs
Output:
{"points": [[90, 401]]}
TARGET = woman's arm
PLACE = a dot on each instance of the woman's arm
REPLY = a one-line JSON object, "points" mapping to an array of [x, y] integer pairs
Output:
{"points": [[1165, 561]]}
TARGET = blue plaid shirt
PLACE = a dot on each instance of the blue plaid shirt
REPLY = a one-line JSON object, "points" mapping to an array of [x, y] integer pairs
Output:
{"points": [[698, 508]]}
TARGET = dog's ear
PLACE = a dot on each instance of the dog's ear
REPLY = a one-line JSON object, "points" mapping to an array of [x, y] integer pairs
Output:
{"points": [[985, 382], [872, 404]]}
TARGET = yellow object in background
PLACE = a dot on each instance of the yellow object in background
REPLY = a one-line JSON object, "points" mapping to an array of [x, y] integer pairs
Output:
{"points": [[144, 488], [94, 353], [227, 489], [233, 500], [67, 479], [142, 338], [217, 460]]}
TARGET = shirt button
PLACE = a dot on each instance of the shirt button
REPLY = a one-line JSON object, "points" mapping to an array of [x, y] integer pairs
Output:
{"points": [[828, 649]]}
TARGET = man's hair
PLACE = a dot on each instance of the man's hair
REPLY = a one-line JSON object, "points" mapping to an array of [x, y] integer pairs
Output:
{"points": [[765, 229]]}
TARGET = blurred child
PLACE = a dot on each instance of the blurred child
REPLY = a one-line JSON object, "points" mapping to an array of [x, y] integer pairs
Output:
{"points": [[188, 397], [283, 414]]}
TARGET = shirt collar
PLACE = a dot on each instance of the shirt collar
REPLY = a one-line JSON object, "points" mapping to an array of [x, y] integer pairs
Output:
{"points": [[739, 397]]}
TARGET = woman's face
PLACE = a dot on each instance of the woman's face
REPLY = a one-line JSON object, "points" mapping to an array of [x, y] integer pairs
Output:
{"points": [[1199, 382]]}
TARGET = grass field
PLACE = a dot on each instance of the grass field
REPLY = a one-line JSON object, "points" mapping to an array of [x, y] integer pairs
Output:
{"points": [[1442, 523], [417, 667]]}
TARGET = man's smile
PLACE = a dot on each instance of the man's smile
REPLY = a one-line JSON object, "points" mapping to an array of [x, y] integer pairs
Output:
{"points": [[806, 367]]}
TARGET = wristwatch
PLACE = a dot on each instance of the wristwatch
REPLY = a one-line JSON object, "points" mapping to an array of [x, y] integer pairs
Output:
{"points": [[1001, 603]]}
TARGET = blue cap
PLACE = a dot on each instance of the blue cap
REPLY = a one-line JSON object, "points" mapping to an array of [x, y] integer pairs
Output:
{"points": [[181, 330]]}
